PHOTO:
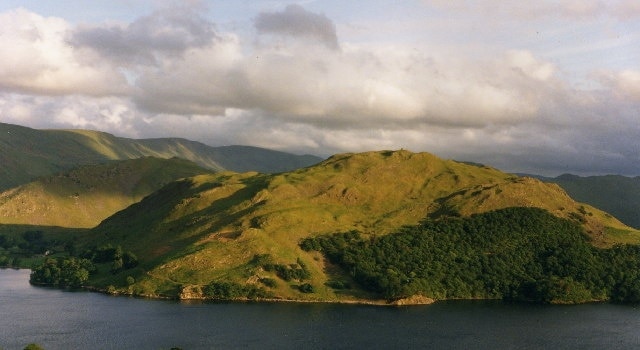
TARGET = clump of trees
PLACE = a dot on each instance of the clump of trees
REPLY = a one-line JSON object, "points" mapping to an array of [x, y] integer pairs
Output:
{"points": [[34, 242], [62, 272], [306, 288], [269, 282], [514, 254], [297, 272], [74, 271], [232, 291], [25, 245], [117, 258]]}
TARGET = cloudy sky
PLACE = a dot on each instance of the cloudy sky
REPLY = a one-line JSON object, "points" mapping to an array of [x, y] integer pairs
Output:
{"points": [[545, 87]]}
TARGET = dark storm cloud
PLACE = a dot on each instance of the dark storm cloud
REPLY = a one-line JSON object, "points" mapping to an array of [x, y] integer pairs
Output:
{"points": [[167, 31], [296, 21]]}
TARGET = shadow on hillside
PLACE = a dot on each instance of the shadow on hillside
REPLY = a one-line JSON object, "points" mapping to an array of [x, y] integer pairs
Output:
{"points": [[226, 210], [62, 232], [342, 283], [149, 229]]}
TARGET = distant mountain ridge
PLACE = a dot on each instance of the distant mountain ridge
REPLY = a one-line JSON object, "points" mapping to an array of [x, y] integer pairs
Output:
{"points": [[26, 153], [615, 194]]}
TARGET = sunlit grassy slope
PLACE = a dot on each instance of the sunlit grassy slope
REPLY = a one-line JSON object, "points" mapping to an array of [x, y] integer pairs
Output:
{"points": [[211, 227], [89, 194], [26, 154]]}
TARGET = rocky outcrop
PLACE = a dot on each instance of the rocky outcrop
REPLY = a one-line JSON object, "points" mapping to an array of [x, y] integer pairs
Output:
{"points": [[414, 300]]}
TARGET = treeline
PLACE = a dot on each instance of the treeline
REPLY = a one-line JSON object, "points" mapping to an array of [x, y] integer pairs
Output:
{"points": [[115, 257], [74, 271], [31, 242], [513, 254], [25, 245]]}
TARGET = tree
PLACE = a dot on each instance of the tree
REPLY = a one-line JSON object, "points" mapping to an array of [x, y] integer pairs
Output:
{"points": [[306, 288], [514, 253], [62, 272], [129, 260]]}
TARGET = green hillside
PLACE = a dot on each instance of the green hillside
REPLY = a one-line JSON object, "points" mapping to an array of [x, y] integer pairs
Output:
{"points": [[615, 194], [515, 253], [82, 198], [230, 234], [26, 154]]}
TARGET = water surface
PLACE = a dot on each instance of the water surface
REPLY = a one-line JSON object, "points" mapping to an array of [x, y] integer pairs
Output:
{"points": [[58, 319]]}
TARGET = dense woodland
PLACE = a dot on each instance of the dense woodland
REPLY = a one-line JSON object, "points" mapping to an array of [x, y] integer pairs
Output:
{"points": [[17, 249], [74, 271], [513, 254]]}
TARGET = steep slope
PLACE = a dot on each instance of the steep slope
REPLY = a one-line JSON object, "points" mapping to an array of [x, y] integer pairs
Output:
{"points": [[615, 194], [28, 153], [88, 195], [246, 228]]}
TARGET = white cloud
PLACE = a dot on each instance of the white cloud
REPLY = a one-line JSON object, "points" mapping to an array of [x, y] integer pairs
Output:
{"points": [[110, 114], [626, 82], [355, 87], [295, 86], [529, 65], [37, 58]]}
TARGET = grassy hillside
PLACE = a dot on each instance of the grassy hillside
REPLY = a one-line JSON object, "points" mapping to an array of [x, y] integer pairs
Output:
{"points": [[615, 194], [220, 233], [26, 154], [89, 194]]}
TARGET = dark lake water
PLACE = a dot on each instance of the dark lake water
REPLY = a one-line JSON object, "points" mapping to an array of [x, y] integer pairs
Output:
{"points": [[58, 319]]}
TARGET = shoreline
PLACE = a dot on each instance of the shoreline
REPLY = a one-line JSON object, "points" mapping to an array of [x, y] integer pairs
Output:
{"points": [[410, 301], [415, 300]]}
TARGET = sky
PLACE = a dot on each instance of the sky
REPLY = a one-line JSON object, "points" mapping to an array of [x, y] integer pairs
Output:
{"points": [[542, 87]]}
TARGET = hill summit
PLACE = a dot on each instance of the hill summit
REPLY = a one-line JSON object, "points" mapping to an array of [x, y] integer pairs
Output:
{"points": [[212, 233]]}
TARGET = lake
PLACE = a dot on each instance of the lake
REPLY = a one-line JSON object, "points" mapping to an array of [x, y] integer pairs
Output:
{"points": [[58, 319]]}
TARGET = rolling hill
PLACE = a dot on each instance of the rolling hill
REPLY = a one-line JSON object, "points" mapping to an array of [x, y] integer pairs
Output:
{"points": [[615, 194], [85, 196], [26, 153], [212, 233]]}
